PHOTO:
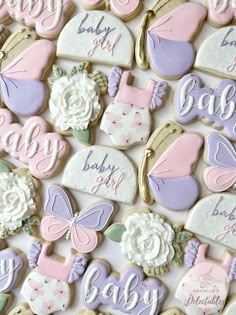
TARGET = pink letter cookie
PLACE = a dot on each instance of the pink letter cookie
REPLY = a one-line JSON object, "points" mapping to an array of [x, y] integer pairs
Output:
{"points": [[221, 12]]}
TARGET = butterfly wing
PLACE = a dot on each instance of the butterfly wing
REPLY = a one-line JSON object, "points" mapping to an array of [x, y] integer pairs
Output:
{"points": [[53, 229], [83, 239], [219, 179]]}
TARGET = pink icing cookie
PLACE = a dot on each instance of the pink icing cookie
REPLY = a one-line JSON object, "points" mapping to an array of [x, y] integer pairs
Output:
{"points": [[221, 12], [32, 144]]}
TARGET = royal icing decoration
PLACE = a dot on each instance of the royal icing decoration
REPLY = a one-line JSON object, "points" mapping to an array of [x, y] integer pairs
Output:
{"points": [[125, 9], [32, 144], [221, 12], [148, 241], [204, 289], [166, 169], [102, 171], [47, 289], [46, 16], [215, 106], [129, 293], [82, 227], [168, 39], [24, 62], [221, 156], [97, 37], [214, 218], [22, 310], [230, 308], [75, 104], [127, 120]]}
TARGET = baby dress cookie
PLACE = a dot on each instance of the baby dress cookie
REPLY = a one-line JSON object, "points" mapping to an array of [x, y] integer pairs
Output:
{"points": [[104, 172], [204, 288], [124, 9], [97, 37], [149, 241], [220, 155], [165, 37], [25, 62], [127, 120], [75, 102], [81, 227], [128, 291], [32, 144], [214, 217], [19, 201], [213, 106], [165, 173], [221, 12], [223, 63], [47, 288]]}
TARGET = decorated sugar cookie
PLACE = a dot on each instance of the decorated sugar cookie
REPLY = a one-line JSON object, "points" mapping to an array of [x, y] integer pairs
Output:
{"points": [[213, 106], [19, 201], [230, 308], [125, 9], [204, 288], [149, 241], [165, 173], [128, 292], [172, 311], [22, 309], [164, 40], [25, 61], [32, 144], [90, 312], [4, 34], [220, 155], [47, 288], [102, 171], [127, 120], [221, 12], [82, 227], [75, 103], [97, 37], [214, 217]]}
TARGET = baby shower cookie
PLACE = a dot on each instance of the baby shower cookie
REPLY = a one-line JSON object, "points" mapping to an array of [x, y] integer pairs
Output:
{"points": [[223, 63], [204, 288], [149, 241], [126, 291], [124, 9], [213, 106], [221, 12], [81, 227], [104, 172], [220, 155], [214, 217], [47, 288], [165, 172], [165, 38], [75, 102], [127, 120], [32, 144], [19, 200], [25, 61], [97, 37], [22, 309]]}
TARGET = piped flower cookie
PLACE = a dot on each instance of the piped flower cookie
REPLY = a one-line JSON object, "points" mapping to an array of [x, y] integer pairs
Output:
{"points": [[127, 120], [149, 241], [75, 102]]}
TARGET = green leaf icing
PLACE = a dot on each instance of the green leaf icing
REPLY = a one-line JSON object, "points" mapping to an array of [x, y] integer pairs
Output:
{"points": [[178, 227], [177, 259], [28, 229], [183, 237], [33, 221], [58, 72], [4, 232], [83, 136], [4, 168], [101, 80], [3, 302], [115, 232], [155, 271]]}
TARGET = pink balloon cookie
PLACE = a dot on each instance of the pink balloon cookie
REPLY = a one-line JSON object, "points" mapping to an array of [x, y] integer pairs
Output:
{"points": [[221, 12]]}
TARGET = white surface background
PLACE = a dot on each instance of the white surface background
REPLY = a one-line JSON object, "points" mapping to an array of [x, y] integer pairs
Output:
{"points": [[108, 249]]}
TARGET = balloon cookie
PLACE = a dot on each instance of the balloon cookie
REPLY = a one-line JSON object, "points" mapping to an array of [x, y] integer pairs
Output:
{"points": [[221, 12]]}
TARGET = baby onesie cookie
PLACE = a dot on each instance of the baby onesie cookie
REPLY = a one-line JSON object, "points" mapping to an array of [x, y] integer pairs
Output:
{"points": [[221, 12], [204, 288], [22, 309], [214, 217], [19, 201], [104, 172], [25, 62], [32, 144], [47, 17], [220, 155], [81, 227], [127, 120], [149, 241], [47, 288], [75, 102], [97, 37], [164, 40], [124, 9], [165, 173], [223, 63], [129, 291], [214, 106], [230, 308]]}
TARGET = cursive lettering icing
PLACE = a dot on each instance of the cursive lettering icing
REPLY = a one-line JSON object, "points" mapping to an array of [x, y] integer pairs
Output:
{"points": [[231, 216], [226, 42], [104, 45], [228, 229]]}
